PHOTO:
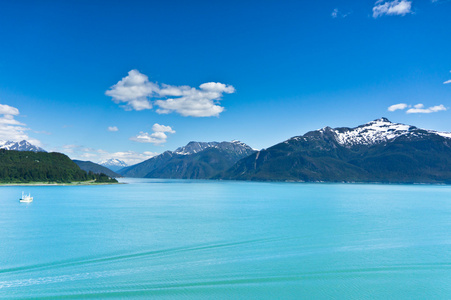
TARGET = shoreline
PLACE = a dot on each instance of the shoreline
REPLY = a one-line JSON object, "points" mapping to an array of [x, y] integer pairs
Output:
{"points": [[75, 183]]}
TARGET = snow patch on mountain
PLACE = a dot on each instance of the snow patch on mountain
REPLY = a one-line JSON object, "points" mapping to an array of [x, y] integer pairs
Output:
{"points": [[195, 147], [443, 134], [371, 133], [113, 164], [374, 132], [20, 146], [377, 131], [241, 144]]}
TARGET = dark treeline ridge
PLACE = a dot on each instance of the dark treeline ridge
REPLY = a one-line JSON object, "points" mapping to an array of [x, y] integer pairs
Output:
{"points": [[27, 166]]}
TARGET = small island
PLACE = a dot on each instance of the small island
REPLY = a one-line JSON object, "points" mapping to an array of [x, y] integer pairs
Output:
{"points": [[42, 168]]}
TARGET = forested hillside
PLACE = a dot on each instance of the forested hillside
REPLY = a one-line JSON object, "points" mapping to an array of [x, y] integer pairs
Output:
{"points": [[27, 166], [95, 168]]}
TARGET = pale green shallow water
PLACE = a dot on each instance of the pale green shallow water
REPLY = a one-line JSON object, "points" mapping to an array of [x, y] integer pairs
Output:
{"points": [[226, 240]]}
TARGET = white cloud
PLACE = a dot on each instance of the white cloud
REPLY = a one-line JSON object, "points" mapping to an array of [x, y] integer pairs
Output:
{"points": [[133, 90], [70, 148], [194, 102], [162, 128], [217, 87], [88, 155], [155, 138], [187, 106], [419, 109], [336, 13], [8, 110], [137, 91], [392, 8], [9, 120], [112, 128], [400, 106], [98, 155], [448, 81], [130, 157], [11, 129]]}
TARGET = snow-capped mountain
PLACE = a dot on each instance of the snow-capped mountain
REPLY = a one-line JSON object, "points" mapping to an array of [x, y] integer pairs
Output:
{"points": [[113, 164], [197, 160], [372, 133], [195, 147], [236, 147], [20, 146], [378, 151]]}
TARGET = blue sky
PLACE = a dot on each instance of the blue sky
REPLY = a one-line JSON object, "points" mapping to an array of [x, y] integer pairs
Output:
{"points": [[257, 71]]}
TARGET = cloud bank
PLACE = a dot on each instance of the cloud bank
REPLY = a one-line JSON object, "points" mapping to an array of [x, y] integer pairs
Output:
{"points": [[10, 128], [392, 8], [98, 155], [417, 109], [136, 92]]}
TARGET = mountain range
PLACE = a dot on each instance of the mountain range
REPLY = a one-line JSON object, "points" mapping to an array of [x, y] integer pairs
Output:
{"points": [[379, 151], [196, 160]]}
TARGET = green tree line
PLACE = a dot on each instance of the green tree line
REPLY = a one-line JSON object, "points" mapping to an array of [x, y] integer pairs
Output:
{"points": [[27, 166]]}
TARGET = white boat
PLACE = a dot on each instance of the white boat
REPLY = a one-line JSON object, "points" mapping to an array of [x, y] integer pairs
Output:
{"points": [[26, 198]]}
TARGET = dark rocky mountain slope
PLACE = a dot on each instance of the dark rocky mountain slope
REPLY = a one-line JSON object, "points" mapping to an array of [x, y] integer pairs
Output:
{"points": [[379, 151], [196, 160]]}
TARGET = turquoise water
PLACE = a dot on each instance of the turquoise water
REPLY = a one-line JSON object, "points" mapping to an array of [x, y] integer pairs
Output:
{"points": [[226, 240]]}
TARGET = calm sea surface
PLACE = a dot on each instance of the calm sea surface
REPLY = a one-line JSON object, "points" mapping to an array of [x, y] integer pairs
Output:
{"points": [[226, 240]]}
